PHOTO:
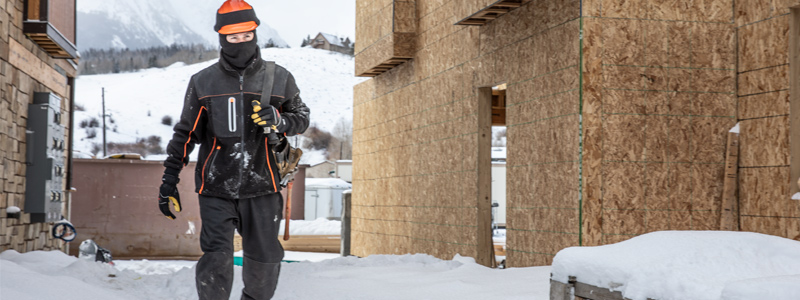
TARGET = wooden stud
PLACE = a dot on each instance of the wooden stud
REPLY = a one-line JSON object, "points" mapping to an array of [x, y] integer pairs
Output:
{"points": [[484, 147], [729, 214], [794, 92]]}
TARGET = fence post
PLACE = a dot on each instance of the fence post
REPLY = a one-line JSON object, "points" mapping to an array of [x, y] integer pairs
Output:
{"points": [[345, 249]]}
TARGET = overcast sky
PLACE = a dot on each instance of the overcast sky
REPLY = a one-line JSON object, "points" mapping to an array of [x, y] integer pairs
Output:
{"points": [[296, 19]]}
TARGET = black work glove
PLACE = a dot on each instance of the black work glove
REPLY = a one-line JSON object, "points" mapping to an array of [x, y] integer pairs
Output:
{"points": [[168, 193], [268, 117]]}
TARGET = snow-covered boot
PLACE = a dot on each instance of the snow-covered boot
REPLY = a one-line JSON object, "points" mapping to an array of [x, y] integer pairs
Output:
{"points": [[260, 279]]}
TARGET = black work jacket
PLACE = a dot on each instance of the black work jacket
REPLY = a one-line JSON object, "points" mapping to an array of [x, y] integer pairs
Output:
{"points": [[235, 161]]}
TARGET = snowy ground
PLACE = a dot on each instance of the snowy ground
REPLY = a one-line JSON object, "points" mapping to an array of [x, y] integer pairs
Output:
{"points": [[701, 265], [137, 102], [54, 275]]}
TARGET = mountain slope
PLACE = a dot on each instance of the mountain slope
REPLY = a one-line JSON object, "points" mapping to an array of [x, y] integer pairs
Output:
{"points": [[137, 102], [137, 24]]}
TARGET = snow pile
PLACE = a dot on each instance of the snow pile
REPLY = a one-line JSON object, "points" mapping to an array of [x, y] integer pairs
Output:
{"points": [[54, 275], [327, 183], [687, 265], [319, 226]]}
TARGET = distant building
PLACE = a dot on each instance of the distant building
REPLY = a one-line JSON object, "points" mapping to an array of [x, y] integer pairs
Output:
{"points": [[324, 169], [332, 43]]}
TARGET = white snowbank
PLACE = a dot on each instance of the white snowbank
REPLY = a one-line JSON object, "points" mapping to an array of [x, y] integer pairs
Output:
{"points": [[685, 265], [319, 226], [327, 183], [781, 287], [54, 275]]}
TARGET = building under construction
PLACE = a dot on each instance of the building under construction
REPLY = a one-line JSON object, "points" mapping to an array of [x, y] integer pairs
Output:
{"points": [[618, 116]]}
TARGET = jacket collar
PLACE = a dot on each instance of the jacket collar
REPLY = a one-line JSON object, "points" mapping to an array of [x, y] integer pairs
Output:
{"points": [[251, 69]]}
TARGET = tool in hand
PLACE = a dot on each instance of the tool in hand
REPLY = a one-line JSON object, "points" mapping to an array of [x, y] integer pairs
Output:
{"points": [[270, 129]]}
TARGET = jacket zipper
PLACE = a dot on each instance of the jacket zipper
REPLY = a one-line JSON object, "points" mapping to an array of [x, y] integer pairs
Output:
{"points": [[206, 165], [241, 148]]}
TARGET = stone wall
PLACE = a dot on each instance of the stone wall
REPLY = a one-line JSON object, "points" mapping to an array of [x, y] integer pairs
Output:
{"points": [[18, 82]]}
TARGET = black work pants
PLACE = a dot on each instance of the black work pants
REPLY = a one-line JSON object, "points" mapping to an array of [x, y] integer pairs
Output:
{"points": [[257, 220]]}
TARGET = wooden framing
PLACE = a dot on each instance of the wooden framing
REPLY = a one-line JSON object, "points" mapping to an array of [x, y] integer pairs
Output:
{"points": [[729, 212], [490, 13], [484, 197], [51, 24], [391, 46], [794, 100]]}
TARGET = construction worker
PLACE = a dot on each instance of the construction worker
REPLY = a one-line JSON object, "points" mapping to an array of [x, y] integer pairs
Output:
{"points": [[236, 178]]}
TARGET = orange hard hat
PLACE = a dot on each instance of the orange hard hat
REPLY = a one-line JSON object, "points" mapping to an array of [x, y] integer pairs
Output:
{"points": [[235, 16]]}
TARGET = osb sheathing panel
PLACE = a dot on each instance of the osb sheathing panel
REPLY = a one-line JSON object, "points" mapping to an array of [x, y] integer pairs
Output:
{"points": [[764, 105], [764, 142], [719, 11], [373, 22], [658, 85], [765, 44], [528, 20], [765, 180], [752, 11]]}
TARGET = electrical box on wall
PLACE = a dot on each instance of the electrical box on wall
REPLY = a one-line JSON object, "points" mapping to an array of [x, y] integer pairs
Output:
{"points": [[45, 159]]}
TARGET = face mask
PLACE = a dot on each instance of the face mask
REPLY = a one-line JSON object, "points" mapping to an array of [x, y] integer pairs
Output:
{"points": [[239, 55]]}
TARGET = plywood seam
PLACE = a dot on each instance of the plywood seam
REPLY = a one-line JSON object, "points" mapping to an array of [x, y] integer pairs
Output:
{"points": [[763, 68], [423, 143], [658, 20], [765, 117], [668, 91], [543, 31], [413, 238], [761, 93], [544, 163], [542, 231], [667, 67], [666, 115], [764, 20], [781, 217], [416, 222], [541, 120], [664, 162], [541, 75], [435, 9], [414, 113], [542, 97]]}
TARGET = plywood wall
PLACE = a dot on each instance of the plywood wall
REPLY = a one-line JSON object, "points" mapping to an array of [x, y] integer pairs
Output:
{"points": [[614, 135], [659, 98], [764, 175]]}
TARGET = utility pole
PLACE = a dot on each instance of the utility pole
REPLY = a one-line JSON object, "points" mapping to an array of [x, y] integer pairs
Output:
{"points": [[104, 123]]}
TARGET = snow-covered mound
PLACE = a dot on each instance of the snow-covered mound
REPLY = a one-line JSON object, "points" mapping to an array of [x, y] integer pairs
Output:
{"points": [[137, 102], [688, 265], [54, 275]]}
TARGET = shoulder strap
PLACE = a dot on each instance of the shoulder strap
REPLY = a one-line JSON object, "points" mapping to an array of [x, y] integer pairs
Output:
{"points": [[269, 83]]}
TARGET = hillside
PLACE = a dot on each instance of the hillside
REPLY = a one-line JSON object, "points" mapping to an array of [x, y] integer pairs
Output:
{"points": [[137, 102]]}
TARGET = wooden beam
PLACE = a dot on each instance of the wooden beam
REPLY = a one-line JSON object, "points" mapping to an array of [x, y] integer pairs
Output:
{"points": [[729, 214], [484, 184], [794, 94]]}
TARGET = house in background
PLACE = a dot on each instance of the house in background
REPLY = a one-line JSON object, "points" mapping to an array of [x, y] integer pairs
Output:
{"points": [[332, 43], [38, 58], [323, 169]]}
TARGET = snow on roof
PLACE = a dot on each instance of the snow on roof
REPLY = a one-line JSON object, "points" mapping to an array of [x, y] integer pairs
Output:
{"points": [[334, 40], [685, 265], [327, 183], [498, 153]]}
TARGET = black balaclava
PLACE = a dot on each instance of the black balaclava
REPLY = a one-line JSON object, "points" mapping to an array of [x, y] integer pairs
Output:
{"points": [[239, 55]]}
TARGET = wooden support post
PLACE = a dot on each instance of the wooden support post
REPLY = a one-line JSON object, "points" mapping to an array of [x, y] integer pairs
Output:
{"points": [[729, 214], [484, 140], [346, 208], [794, 100]]}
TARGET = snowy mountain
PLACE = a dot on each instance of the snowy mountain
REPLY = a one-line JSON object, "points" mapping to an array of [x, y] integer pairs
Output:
{"points": [[137, 102], [137, 24]]}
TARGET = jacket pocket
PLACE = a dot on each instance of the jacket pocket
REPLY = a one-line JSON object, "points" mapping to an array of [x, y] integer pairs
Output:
{"points": [[208, 166], [226, 116]]}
